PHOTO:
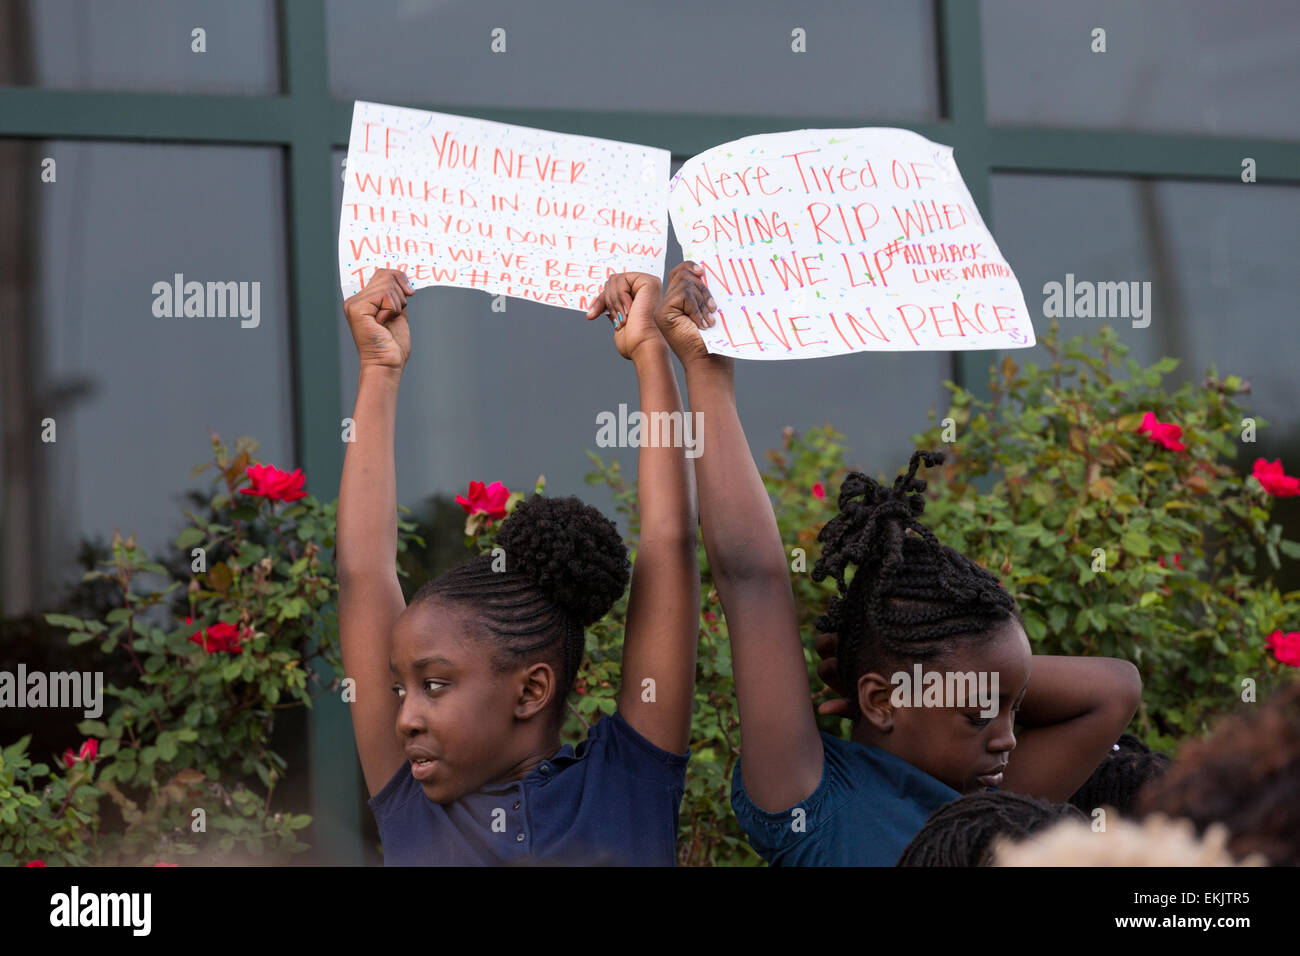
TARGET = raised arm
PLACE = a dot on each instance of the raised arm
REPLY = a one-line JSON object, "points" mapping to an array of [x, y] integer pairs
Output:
{"points": [[663, 608], [370, 595], [781, 750], [1074, 710]]}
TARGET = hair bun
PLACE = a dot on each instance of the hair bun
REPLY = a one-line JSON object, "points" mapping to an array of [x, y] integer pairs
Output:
{"points": [[571, 551]]}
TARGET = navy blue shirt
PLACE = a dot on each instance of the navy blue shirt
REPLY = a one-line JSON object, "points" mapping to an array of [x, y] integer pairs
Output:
{"points": [[865, 810], [613, 801]]}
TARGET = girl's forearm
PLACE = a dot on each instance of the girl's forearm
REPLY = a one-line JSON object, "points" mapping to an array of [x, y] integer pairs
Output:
{"points": [[366, 539], [668, 512], [1067, 688], [739, 527]]}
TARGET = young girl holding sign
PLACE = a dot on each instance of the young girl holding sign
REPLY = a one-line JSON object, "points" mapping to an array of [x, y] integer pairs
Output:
{"points": [[460, 697], [805, 797]]}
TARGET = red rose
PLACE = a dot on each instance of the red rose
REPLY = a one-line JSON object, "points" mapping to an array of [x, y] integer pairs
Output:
{"points": [[36, 863], [166, 864], [1165, 434], [1178, 562], [218, 637], [1285, 647], [1273, 479], [490, 501], [819, 491], [89, 751], [270, 482]]}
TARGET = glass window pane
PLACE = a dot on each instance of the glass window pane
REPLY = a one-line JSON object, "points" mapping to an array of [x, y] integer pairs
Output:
{"points": [[141, 46], [132, 394], [508, 396], [728, 56], [1177, 66], [1219, 259]]}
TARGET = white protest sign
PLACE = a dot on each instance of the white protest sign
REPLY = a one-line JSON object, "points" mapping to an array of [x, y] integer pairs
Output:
{"points": [[511, 210], [823, 242]]}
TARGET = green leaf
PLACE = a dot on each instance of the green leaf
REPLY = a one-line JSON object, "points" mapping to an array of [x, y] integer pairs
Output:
{"points": [[64, 620], [189, 538], [1136, 544], [167, 746]]}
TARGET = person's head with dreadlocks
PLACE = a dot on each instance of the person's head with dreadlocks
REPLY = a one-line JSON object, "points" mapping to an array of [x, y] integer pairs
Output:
{"points": [[495, 643], [1118, 779], [961, 833], [904, 600]]}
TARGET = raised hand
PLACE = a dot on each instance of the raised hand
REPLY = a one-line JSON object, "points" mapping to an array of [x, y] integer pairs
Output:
{"points": [[828, 670], [630, 300], [686, 308], [377, 318]]}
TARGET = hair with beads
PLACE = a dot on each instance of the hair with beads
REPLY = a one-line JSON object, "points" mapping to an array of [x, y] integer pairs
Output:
{"points": [[565, 567], [961, 833], [909, 598], [1118, 778]]}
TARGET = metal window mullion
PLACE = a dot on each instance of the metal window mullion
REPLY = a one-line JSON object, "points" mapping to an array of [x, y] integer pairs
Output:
{"points": [[335, 775]]}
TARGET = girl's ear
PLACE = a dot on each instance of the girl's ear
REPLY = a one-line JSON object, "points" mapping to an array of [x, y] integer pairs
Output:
{"points": [[536, 690], [874, 694]]}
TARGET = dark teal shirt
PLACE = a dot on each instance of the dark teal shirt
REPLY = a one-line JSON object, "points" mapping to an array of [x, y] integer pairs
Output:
{"points": [[612, 801], [866, 809]]}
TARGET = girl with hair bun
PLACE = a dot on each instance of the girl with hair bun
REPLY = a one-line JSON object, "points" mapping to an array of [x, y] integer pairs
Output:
{"points": [[460, 697], [905, 601]]}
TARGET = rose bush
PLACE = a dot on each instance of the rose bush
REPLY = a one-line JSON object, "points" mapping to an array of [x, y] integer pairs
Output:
{"points": [[239, 628]]}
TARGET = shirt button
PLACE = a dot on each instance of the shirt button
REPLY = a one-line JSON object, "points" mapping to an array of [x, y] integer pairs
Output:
{"points": [[519, 837], [545, 768], [516, 804]]}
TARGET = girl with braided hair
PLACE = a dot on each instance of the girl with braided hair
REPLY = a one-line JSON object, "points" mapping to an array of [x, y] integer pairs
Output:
{"points": [[460, 697], [905, 600]]}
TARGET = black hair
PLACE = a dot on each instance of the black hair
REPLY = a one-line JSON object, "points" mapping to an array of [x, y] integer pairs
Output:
{"points": [[910, 598], [565, 566], [960, 833], [1119, 777]]}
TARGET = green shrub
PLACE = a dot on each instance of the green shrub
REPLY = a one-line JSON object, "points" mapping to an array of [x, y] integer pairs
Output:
{"points": [[1078, 488], [184, 763]]}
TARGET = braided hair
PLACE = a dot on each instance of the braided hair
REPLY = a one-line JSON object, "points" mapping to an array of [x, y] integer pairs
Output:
{"points": [[909, 598], [1119, 777], [962, 832], [565, 567]]}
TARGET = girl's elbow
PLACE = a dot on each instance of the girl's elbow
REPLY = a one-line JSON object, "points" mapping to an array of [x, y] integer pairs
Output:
{"points": [[1127, 684]]}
